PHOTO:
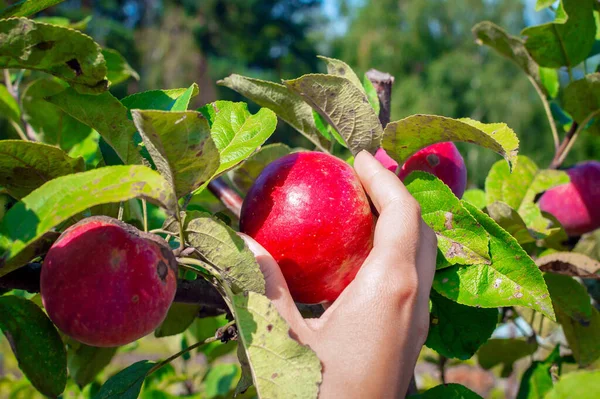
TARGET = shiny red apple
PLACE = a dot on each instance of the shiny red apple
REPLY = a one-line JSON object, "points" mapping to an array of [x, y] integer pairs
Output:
{"points": [[105, 283], [576, 204], [310, 211]]}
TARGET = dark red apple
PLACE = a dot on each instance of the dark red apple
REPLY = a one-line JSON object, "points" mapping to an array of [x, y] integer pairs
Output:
{"points": [[309, 210], [442, 160], [105, 283], [576, 204]]}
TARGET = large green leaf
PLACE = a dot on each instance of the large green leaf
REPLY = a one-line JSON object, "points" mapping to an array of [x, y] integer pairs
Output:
{"points": [[85, 362], [118, 70], [512, 278], [281, 367], [569, 297], [510, 220], [344, 106], [509, 46], [276, 97], [237, 133], [181, 147], [581, 99], [63, 52], [35, 343], [447, 391], [25, 165], [505, 352], [105, 114], [25, 8], [244, 175], [452, 332], [340, 68], [403, 138], [461, 239], [577, 384], [568, 40], [162, 100], [127, 383], [179, 318], [9, 108], [66, 196], [536, 382]]}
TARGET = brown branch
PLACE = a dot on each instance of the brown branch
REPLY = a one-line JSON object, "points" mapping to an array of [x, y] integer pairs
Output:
{"points": [[382, 81], [557, 161], [226, 195]]}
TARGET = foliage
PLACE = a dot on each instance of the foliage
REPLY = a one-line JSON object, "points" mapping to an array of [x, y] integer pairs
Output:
{"points": [[153, 151]]}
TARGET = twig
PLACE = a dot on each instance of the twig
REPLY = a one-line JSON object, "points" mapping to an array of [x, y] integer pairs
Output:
{"points": [[569, 140], [382, 82], [549, 116], [442, 368], [226, 195], [28, 133], [145, 213]]}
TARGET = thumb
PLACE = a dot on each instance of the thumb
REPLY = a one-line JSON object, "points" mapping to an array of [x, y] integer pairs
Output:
{"points": [[276, 287]]}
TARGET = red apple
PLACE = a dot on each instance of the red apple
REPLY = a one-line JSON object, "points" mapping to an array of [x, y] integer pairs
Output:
{"points": [[386, 160], [105, 283], [309, 210], [576, 204], [442, 160]]}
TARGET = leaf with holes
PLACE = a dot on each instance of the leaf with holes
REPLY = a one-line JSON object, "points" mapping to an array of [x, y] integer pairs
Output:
{"points": [[570, 264], [568, 40], [244, 175], [181, 147], [25, 165], [403, 138], [62, 52], [452, 332], [460, 238], [59, 199], [512, 277], [344, 106], [276, 97], [35, 343], [127, 383], [281, 367]]}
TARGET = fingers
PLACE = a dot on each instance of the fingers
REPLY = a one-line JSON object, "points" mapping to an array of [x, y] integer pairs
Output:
{"points": [[276, 287]]}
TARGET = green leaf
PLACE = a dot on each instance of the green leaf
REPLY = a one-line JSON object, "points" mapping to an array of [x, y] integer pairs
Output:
{"points": [[570, 264], [589, 245], [66, 22], [206, 327], [105, 114], [505, 352], [580, 321], [581, 99], [237, 133], [452, 332], [276, 97], [344, 106], [8, 105], [35, 343], [161, 100], [549, 78], [223, 248], [341, 69], [568, 40], [220, 380], [536, 382], [403, 138], [118, 70], [25, 8], [179, 318], [511, 221], [461, 239], [244, 175], [512, 278], [326, 130], [476, 197], [447, 391], [127, 383], [181, 147], [518, 189], [66, 196], [371, 94], [85, 362], [281, 367], [511, 47], [62, 52], [577, 384], [541, 4], [25, 165]]}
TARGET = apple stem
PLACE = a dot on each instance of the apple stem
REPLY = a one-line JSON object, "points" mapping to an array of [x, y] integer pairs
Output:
{"points": [[226, 195], [567, 144], [382, 81]]}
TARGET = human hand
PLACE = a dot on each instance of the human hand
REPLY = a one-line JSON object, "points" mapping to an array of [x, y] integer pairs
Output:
{"points": [[369, 339]]}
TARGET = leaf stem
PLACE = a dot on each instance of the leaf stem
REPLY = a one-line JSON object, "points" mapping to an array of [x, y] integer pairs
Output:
{"points": [[189, 349], [161, 231], [145, 213], [567, 144], [548, 111], [19, 130], [121, 209]]}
